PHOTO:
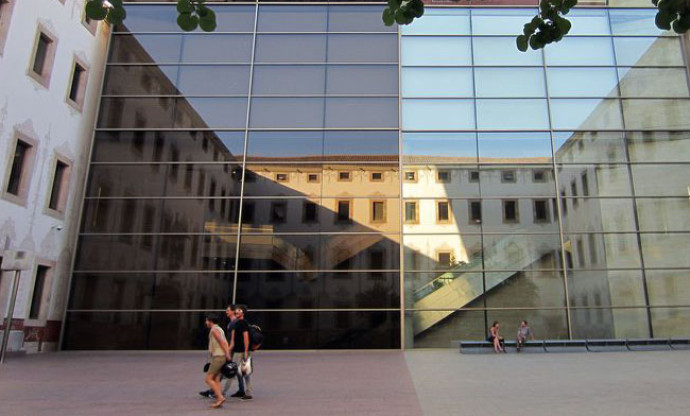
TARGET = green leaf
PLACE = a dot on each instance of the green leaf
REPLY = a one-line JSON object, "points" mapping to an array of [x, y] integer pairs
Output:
{"points": [[388, 17], [663, 20], [116, 15], [522, 43], [116, 3], [563, 25], [208, 23], [187, 22], [185, 6], [96, 10]]}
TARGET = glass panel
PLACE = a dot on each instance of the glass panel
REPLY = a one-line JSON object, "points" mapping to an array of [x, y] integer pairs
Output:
{"points": [[170, 252], [110, 330], [364, 145], [599, 215], [145, 48], [445, 290], [582, 82], [440, 22], [436, 51], [654, 82], [431, 329], [603, 323], [525, 289], [437, 82], [362, 79], [361, 112], [586, 114], [163, 18], [668, 287], [168, 146], [500, 22], [357, 18], [278, 145], [437, 114], [634, 22], [602, 180], [319, 290], [514, 148], [216, 48], [658, 180], [648, 51], [442, 147], [362, 48], [666, 250], [663, 214], [290, 48], [161, 216], [589, 147], [510, 82], [302, 180], [289, 79], [136, 113], [659, 146], [162, 180], [274, 18], [213, 80], [151, 290], [589, 22], [666, 113], [546, 324], [211, 112], [141, 80], [287, 112], [501, 51], [613, 251], [581, 51], [605, 288], [197, 48], [519, 252], [456, 253], [512, 114], [463, 183], [671, 322]]}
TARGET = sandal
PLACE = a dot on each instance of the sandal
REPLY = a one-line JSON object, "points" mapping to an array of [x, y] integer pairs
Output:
{"points": [[218, 404]]}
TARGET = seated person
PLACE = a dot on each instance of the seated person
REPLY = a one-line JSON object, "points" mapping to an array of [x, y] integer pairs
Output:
{"points": [[524, 332]]}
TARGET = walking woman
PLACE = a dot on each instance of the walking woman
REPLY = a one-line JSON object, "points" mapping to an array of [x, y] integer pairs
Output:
{"points": [[496, 338], [218, 354]]}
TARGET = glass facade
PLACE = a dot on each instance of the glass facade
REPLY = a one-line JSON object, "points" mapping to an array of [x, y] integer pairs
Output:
{"points": [[360, 186]]}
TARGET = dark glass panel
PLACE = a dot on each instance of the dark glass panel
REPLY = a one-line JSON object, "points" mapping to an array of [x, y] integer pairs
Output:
{"points": [[520, 252], [319, 290], [165, 252], [290, 48], [145, 48], [106, 330], [163, 18], [303, 18], [123, 291], [361, 112], [324, 252], [196, 48], [210, 112], [438, 329], [213, 80], [136, 113], [216, 48], [525, 289], [282, 145], [162, 180], [361, 144], [362, 79], [362, 48], [605, 288], [160, 146], [162, 216], [356, 18], [289, 79], [141, 80], [287, 113], [605, 323]]}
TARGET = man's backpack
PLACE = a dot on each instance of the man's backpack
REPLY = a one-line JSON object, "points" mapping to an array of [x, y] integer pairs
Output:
{"points": [[256, 338]]}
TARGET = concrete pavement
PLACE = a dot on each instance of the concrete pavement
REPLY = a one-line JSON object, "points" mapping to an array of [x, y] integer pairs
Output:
{"points": [[334, 383]]}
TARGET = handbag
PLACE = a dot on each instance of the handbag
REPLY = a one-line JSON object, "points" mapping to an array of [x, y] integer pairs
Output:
{"points": [[247, 367], [206, 367]]}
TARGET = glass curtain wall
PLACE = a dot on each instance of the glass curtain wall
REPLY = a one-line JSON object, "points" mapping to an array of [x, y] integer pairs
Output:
{"points": [[257, 164], [547, 186]]}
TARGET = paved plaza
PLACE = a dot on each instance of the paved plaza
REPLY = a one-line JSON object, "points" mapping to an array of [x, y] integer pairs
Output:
{"points": [[332, 383]]}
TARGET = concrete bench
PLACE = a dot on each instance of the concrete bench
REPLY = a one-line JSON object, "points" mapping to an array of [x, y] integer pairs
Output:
{"points": [[580, 345]]}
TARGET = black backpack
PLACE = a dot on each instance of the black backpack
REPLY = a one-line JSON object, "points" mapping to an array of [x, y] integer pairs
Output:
{"points": [[256, 338]]}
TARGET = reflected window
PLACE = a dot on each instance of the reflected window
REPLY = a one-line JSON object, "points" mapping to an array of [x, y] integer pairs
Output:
{"points": [[411, 216], [444, 258], [573, 191], [377, 176], [344, 176], [538, 176], [313, 177], [508, 176], [344, 211], [443, 176], [311, 213], [410, 176], [443, 212], [510, 211], [541, 210], [585, 184], [564, 202], [474, 176], [248, 210], [281, 177], [475, 212], [278, 212], [378, 211]]}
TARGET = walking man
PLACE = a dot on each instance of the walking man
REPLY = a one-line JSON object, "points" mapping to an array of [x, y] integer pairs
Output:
{"points": [[241, 352]]}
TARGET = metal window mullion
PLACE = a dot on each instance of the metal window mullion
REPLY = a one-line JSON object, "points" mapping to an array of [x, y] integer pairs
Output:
{"points": [[401, 205], [244, 155]]}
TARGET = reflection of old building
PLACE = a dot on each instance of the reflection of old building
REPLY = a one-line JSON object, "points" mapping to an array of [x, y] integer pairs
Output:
{"points": [[355, 198]]}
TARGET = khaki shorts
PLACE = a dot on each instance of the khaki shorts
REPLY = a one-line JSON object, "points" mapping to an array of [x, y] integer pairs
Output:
{"points": [[216, 364]]}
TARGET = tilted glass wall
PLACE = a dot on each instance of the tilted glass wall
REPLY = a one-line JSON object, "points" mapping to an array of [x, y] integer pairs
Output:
{"points": [[257, 164], [548, 186], [281, 160]]}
